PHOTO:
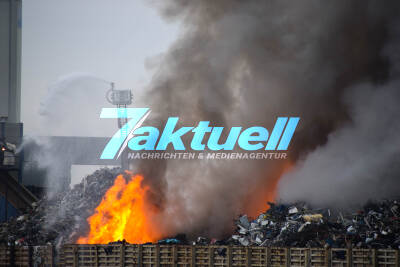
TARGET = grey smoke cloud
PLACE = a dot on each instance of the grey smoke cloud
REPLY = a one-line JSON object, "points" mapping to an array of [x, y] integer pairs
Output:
{"points": [[248, 62], [360, 160], [244, 63]]}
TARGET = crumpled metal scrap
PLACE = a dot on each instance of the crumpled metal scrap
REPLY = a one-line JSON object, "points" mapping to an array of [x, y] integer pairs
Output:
{"points": [[377, 225], [59, 218]]}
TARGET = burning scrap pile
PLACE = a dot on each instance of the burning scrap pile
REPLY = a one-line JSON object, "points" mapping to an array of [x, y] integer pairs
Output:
{"points": [[376, 226], [62, 217], [117, 206]]}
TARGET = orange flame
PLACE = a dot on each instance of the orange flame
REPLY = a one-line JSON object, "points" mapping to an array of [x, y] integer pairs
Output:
{"points": [[266, 191], [122, 214]]}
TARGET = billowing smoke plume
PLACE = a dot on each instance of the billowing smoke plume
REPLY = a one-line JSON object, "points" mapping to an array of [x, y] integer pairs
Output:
{"points": [[360, 160], [246, 63]]}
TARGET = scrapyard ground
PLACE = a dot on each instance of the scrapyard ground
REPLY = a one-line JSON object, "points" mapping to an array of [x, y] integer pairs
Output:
{"points": [[61, 219]]}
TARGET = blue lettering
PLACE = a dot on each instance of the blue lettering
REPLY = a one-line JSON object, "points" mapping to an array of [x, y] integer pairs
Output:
{"points": [[230, 140], [169, 136], [199, 133], [288, 133], [276, 133], [247, 136], [144, 142]]}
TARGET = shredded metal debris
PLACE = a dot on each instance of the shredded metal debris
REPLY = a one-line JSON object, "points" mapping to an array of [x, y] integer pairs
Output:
{"points": [[61, 219], [377, 225]]}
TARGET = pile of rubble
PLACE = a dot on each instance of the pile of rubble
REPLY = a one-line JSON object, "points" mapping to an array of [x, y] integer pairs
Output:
{"points": [[59, 218], [376, 226]]}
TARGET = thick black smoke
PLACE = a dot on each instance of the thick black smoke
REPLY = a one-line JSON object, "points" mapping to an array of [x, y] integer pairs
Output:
{"points": [[246, 63]]}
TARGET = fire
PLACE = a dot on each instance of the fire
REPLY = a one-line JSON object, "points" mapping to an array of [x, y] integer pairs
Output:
{"points": [[266, 191], [123, 213]]}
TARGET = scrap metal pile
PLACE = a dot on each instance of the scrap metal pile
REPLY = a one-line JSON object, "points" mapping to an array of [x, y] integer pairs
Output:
{"points": [[377, 225], [59, 218]]}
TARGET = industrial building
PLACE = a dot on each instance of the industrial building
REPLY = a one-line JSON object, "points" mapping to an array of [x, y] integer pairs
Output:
{"points": [[22, 180], [13, 196]]}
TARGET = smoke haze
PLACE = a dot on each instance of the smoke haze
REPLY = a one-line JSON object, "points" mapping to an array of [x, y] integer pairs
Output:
{"points": [[70, 108], [246, 63], [360, 160]]}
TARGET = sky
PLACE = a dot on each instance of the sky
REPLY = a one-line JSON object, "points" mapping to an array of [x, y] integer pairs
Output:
{"points": [[115, 40]]}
